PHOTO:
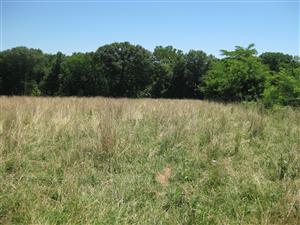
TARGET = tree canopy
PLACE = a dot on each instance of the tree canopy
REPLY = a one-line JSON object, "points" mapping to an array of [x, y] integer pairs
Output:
{"points": [[126, 67], [125, 70], [239, 76]]}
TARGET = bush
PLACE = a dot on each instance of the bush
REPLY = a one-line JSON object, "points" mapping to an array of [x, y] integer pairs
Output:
{"points": [[238, 77], [283, 88]]}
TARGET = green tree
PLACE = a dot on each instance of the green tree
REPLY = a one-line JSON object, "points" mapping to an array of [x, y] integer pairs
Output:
{"points": [[276, 60], [196, 66], [179, 75], [166, 66], [240, 75], [21, 70], [80, 77], [240, 52], [283, 88], [50, 84], [127, 68]]}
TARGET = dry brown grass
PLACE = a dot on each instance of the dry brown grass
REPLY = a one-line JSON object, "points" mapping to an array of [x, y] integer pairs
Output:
{"points": [[147, 161], [163, 177]]}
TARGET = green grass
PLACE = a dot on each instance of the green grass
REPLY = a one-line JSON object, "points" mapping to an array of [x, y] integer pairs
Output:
{"points": [[121, 161]]}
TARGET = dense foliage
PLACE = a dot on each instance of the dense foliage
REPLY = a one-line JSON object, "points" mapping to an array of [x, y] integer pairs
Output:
{"points": [[126, 70], [239, 76]]}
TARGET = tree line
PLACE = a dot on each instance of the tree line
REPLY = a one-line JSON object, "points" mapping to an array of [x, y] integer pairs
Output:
{"points": [[126, 70]]}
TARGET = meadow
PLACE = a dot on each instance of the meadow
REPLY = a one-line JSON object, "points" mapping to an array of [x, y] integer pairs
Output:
{"points": [[147, 161]]}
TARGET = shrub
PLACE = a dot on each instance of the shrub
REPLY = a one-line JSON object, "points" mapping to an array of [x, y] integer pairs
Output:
{"points": [[239, 76], [283, 88]]}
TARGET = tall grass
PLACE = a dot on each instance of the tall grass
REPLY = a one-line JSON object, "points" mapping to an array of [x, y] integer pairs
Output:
{"points": [[121, 161]]}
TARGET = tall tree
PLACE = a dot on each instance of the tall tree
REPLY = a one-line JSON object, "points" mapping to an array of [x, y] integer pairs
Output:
{"points": [[168, 67], [126, 67], [80, 77], [21, 70], [196, 66], [50, 84], [283, 88], [240, 52], [239, 76], [276, 60]]}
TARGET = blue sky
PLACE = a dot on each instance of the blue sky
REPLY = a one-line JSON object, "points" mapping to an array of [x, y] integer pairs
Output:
{"points": [[209, 26]]}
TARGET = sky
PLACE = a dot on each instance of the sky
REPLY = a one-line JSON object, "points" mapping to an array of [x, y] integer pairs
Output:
{"points": [[83, 26]]}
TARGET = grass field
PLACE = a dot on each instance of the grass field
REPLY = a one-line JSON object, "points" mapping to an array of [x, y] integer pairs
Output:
{"points": [[121, 161]]}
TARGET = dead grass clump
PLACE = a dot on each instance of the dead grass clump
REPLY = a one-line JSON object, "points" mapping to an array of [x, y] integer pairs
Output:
{"points": [[108, 129], [163, 176]]}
